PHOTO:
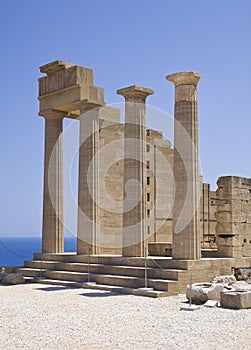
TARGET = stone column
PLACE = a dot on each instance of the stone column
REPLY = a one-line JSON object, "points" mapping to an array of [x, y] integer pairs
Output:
{"points": [[186, 230], [88, 191], [53, 227], [134, 230]]}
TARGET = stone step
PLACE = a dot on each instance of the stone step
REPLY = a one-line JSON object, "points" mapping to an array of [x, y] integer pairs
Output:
{"points": [[170, 274], [115, 280], [112, 289], [31, 272], [162, 262]]}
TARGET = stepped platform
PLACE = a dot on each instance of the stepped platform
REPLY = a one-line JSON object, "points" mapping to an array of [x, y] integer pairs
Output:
{"points": [[165, 276]]}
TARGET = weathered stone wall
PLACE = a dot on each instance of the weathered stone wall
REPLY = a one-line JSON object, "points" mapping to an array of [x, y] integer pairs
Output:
{"points": [[233, 216], [158, 221]]}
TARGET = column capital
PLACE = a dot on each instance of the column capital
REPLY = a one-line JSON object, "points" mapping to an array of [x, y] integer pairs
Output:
{"points": [[87, 105], [52, 113], [184, 78], [136, 92]]}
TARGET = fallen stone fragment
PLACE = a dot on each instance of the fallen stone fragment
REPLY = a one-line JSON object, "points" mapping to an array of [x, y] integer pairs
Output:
{"points": [[225, 280], [243, 274], [202, 292]]}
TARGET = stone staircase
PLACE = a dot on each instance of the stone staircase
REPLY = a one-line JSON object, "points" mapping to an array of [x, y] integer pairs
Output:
{"points": [[165, 276]]}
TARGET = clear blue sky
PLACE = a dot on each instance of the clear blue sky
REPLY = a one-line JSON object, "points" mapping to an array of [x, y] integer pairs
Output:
{"points": [[125, 42]]}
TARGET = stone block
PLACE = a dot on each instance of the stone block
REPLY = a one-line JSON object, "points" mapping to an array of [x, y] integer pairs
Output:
{"points": [[228, 228], [96, 94], [233, 193], [110, 114], [229, 181], [236, 299], [65, 84], [236, 217], [13, 278], [229, 252]]}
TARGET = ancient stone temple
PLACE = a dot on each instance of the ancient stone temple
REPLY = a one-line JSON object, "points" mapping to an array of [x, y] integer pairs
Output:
{"points": [[139, 224]]}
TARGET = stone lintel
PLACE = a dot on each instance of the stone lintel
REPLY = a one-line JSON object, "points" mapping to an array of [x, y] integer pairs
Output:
{"points": [[52, 113], [184, 78], [135, 91], [87, 105], [55, 66]]}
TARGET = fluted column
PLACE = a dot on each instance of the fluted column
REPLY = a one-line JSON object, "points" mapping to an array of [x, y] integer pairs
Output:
{"points": [[53, 227], [134, 216], [186, 234], [88, 189]]}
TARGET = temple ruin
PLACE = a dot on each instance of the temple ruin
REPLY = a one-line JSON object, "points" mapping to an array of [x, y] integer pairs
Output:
{"points": [[154, 248]]}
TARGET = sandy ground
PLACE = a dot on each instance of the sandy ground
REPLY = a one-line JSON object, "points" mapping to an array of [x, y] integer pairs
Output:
{"points": [[51, 317]]}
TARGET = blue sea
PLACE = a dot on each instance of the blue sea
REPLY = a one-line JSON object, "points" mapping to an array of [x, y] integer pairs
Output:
{"points": [[15, 250]]}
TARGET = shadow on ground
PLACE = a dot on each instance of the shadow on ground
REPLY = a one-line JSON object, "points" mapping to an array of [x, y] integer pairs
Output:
{"points": [[54, 289], [96, 294], [100, 294]]}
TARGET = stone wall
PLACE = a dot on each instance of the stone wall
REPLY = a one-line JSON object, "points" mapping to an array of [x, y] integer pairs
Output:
{"points": [[233, 216], [158, 221]]}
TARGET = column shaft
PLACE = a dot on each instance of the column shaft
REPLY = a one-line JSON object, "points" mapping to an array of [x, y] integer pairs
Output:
{"points": [[88, 229], [186, 230], [134, 225], [53, 228]]}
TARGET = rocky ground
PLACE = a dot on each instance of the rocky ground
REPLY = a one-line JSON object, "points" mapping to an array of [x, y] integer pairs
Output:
{"points": [[50, 317]]}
